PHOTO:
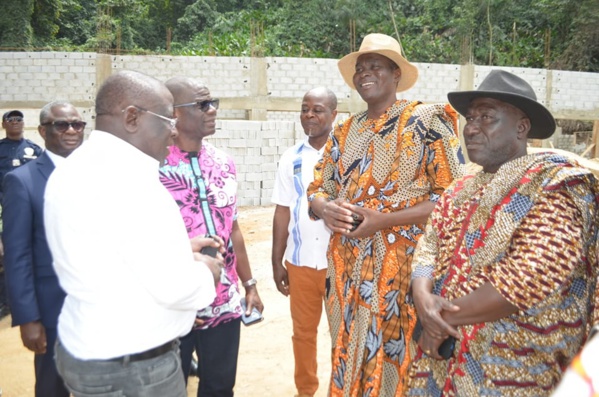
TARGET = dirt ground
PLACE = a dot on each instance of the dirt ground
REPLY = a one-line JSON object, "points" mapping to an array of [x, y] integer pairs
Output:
{"points": [[266, 355]]}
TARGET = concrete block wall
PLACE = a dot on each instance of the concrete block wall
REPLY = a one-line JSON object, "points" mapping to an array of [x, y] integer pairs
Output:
{"points": [[434, 81], [292, 77], [574, 91], [44, 76], [28, 80], [225, 76], [256, 147]]}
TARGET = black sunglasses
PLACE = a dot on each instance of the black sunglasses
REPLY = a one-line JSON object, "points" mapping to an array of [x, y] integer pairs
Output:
{"points": [[204, 106], [14, 119], [63, 126]]}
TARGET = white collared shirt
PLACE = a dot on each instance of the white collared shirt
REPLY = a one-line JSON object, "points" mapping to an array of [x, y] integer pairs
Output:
{"points": [[56, 159], [121, 252], [308, 240]]}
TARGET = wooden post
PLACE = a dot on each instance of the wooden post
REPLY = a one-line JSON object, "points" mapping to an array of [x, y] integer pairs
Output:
{"points": [[595, 139]]}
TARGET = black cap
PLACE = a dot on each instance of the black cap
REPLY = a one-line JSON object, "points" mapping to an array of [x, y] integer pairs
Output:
{"points": [[11, 113]]}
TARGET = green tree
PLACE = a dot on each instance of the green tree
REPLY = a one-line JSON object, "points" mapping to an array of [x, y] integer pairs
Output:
{"points": [[581, 47], [44, 20], [77, 21], [15, 23]]}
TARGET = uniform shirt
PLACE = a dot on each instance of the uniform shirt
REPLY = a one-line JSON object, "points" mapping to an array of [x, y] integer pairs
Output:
{"points": [[308, 240], [120, 252], [16, 153]]}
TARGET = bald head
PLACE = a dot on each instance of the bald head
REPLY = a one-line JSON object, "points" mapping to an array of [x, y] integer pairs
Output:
{"points": [[181, 87], [319, 110], [136, 108], [328, 96], [126, 88], [196, 112]]}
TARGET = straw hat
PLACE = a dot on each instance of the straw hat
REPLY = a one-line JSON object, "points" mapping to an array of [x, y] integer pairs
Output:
{"points": [[384, 45], [511, 89]]}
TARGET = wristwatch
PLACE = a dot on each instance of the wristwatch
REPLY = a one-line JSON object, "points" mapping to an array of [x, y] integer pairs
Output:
{"points": [[250, 282]]}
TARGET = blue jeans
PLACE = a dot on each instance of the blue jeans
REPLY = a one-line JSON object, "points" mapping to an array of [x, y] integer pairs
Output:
{"points": [[217, 349], [156, 377]]}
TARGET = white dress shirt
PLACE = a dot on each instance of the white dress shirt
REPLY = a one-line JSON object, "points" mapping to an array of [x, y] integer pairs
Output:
{"points": [[56, 159], [308, 240], [121, 252]]}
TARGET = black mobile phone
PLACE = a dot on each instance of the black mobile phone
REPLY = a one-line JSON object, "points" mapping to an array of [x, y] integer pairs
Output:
{"points": [[417, 331], [446, 348], [210, 251], [355, 223], [254, 317]]}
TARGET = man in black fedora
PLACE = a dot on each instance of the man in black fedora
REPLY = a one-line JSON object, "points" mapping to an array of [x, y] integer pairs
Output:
{"points": [[507, 265]]}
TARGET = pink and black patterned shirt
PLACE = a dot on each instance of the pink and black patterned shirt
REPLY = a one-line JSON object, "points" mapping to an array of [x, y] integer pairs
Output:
{"points": [[218, 172]]}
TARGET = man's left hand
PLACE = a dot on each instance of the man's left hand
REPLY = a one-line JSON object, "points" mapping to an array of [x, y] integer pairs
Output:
{"points": [[33, 335], [252, 300]]}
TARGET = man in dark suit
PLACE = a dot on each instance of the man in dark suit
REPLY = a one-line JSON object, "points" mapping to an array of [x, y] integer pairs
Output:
{"points": [[34, 295]]}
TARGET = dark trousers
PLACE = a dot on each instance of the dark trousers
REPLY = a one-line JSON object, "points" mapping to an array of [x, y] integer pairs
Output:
{"points": [[47, 381], [4, 309], [217, 349]]}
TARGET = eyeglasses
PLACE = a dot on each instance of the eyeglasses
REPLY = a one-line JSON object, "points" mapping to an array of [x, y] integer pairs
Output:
{"points": [[14, 119], [204, 106], [172, 122], [63, 126]]}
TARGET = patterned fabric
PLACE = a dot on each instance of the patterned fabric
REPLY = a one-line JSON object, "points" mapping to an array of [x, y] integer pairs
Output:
{"points": [[529, 230], [218, 172], [581, 377], [409, 155]]}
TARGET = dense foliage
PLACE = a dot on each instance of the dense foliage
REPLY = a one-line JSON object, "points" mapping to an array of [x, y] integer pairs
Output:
{"points": [[558, 34]]}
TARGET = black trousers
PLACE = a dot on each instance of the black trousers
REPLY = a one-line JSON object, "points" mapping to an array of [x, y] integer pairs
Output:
{"points": [[4, 309], [48, 382], [217, 349]]}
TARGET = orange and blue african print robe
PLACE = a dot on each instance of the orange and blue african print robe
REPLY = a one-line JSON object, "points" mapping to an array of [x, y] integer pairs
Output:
{"points": [[409, 155], [530, 230]]}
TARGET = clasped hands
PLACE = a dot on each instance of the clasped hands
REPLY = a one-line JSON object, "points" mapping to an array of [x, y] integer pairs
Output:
{"points": [[431, 310], [350, 220]]}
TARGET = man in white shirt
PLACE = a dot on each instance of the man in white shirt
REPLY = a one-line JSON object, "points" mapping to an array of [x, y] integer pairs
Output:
{"points": [[299, 244], [34, 295], [121, 251]]}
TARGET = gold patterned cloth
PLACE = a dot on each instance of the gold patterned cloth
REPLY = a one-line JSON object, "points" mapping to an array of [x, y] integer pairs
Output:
{"points": [[530, 230], [408, 155]]}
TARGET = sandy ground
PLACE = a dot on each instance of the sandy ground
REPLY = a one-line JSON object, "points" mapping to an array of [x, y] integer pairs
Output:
{"points": [[266, 355]]}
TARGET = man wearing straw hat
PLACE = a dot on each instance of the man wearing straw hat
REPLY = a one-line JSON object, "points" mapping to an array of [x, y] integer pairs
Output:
{"points": [[507, 265], [381, 173]]}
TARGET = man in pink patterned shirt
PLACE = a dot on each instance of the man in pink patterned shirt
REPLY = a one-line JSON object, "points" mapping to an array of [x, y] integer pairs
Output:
{"points": [[202, 180]]}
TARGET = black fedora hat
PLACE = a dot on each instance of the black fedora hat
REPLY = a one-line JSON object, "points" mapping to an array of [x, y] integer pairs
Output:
{"points": [[511, 89]]}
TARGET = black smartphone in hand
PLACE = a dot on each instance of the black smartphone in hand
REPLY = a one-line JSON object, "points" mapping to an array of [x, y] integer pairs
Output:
{"points": [[446, 348], [254, 317], [210, 251]]}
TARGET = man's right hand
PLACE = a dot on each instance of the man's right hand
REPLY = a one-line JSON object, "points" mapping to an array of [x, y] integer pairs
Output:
{"points": [[216, 265], [33, 335], [279, 274], [334, 214], [199, 242]]}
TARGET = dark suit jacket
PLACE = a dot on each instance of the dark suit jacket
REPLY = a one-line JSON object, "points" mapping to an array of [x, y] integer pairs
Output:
{"points": [[32, 285]]}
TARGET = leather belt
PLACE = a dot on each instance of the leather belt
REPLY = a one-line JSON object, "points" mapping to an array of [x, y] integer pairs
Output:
{"points": [[148, 354]]}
